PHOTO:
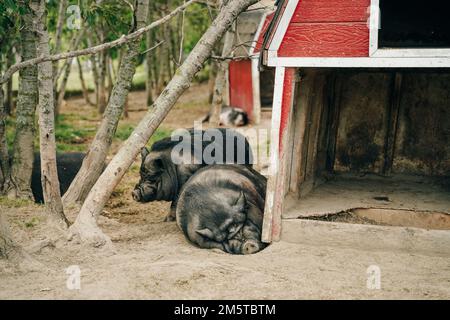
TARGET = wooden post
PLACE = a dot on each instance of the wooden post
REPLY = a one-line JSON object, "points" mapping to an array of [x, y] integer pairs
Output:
{"points": [[256, 112], [333, 123], [392, 123], [281, 116]]}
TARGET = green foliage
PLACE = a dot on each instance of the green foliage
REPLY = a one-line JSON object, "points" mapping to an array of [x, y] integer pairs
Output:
{"points": [[197, 22], [115, 16], [10, 12]]}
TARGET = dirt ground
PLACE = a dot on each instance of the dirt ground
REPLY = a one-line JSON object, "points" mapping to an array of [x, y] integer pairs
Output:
{"points": [[152, 260]]}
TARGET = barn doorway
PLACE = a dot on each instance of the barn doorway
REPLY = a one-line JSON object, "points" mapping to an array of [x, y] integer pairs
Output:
{"points": [[266, 86], [370, 139]]}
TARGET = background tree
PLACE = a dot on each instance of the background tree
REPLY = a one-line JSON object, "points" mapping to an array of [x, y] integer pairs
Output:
{"points": [[4, 156], [27, 98], [8, 249], [93, 163], [9, 12], [49, 174], [85, 227]]}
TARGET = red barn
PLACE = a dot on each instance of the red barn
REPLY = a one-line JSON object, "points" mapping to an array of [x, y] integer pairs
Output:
{"points": [[360, 116], [249, 88]]}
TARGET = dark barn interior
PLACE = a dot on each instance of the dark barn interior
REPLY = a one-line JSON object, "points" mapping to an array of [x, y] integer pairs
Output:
{"points": [[370, 139], [266, 84], [414, 24]]}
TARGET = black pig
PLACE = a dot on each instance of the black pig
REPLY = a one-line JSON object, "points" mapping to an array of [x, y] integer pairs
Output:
{"points": [[222, 206], [164, 172], [68, 165]]}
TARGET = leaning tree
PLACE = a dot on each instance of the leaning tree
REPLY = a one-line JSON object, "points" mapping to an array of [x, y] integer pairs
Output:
{"points": [[85, 227]]}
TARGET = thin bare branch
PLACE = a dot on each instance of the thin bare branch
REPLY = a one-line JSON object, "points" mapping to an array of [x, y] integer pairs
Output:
{"points": [[152, 48]]}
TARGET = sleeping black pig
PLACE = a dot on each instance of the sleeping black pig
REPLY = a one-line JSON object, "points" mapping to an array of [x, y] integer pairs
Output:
{"points": [[222, 206], [163, 172]]}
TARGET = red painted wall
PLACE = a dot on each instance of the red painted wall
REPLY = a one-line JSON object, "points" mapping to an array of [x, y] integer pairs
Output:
{"points": [[286, 104], [241, 89], [331, 11], [328, 28]]}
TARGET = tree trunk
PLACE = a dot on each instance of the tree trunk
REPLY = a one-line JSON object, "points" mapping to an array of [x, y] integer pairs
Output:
{"points": [[95, 159], [58, 41], [50, 182], [109, 74], [95, 73], [27, 99], [68, 67], [84, 88], [9, 104], [126, 108], [212, 81], [8, 250], [85, 227], [148, 69], [102, 79], [221, 79], [14, 253], [4, 156], [58, 35]]}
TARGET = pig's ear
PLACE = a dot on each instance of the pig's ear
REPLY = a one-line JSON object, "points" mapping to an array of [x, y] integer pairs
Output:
{"points": [[241, 203], [144, 152], [207, 233]]}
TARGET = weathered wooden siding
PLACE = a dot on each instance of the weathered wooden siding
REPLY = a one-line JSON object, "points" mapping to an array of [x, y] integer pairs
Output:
{"points": [[331, 11], [320, 28], [309, 116], [423, 137], [362, 121]]}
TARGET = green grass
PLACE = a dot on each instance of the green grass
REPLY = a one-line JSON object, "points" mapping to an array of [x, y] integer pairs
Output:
{"points": [[74, 84], [70, 138], [68, 134], [10, 203], [32, 222]]}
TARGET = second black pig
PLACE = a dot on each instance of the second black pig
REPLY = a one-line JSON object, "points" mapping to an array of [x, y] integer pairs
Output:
{"points": [[164, 172]]}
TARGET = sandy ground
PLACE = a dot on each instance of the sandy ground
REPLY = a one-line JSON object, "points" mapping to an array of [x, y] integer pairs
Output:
{"points": [[152, 260]]}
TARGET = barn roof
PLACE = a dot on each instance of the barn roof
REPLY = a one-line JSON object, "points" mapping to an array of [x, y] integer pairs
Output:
{"points": [[248, 27], [344, 33]]}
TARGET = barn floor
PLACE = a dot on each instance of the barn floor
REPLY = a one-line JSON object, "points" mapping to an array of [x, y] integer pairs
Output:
{"points": [[345, 192]]}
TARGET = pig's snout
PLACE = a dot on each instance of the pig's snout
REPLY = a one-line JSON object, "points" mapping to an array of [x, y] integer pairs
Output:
{"points": [[250, 247], [137, 196]]}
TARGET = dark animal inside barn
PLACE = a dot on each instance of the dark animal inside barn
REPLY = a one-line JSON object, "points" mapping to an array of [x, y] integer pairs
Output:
{"points": [[222, 207], [163, 172]]}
